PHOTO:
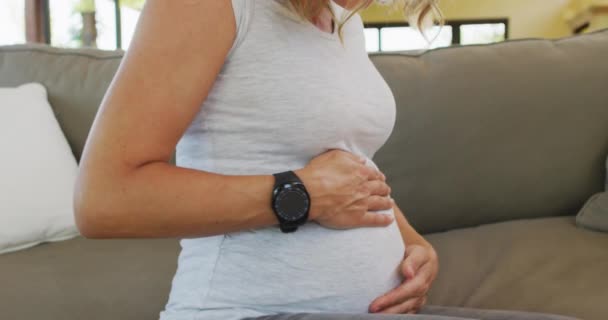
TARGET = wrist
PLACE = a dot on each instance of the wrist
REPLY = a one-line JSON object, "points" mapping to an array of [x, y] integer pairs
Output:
{"points": [[307, 182], [423, 243]]}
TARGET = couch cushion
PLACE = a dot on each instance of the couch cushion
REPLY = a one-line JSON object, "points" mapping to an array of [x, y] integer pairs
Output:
{"points": [[497, 132], [88, 279], [76, 80], [594, 214], [37, 176], [545, 265]]}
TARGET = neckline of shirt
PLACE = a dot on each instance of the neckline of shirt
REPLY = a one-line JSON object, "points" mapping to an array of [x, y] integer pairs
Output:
{"points": [[337, 10]]}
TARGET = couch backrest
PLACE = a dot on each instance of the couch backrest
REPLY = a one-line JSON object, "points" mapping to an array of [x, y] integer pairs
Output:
{"points": [[76, 80], [483, 134], [497, 132]]}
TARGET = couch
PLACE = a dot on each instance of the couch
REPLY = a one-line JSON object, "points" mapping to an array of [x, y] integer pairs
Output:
{"points": [[494, 151]]}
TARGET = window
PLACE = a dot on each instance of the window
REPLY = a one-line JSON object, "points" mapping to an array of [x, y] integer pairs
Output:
{"points": [[129, 14], [402, 37], [372, 39], [78, 23], [12, 22], [482, 33], [104, 24], [110, 24], [408, 38]]}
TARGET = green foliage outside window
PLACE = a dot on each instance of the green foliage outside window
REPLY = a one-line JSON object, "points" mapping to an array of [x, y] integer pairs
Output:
{"points": [[89, 5], [134, 4], [85, 6]]}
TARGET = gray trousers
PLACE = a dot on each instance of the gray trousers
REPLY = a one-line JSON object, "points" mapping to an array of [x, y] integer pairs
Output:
{"points": [[428, 312]]}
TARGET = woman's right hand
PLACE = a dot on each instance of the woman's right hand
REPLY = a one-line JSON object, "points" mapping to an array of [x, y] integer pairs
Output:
{"points": [[344, 191]]}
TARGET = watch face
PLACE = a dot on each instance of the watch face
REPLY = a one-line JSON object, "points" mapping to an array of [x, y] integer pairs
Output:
{"points": [[292, 204]]}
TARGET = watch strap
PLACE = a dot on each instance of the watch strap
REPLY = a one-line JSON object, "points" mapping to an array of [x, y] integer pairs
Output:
{"points": [[287, 228], [285, 177]]}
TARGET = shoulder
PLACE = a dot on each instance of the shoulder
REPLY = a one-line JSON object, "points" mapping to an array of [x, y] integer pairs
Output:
{"points": [[266, 13]]}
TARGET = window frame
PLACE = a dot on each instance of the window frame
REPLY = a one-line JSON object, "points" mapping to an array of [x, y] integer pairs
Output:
{"points": [[455, 24], [45, 26], [45, 16]]}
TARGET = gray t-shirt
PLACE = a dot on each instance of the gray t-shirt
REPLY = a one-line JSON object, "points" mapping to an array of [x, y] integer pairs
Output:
{"points": [[286, 93]]}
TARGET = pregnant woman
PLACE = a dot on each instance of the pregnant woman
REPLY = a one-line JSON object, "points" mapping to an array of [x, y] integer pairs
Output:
{"points": [[275, 111]]}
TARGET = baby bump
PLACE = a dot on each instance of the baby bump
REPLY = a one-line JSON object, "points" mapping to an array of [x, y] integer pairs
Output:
{"points": [[315, 269]]}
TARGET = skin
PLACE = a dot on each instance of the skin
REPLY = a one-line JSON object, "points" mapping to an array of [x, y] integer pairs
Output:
{"points": [[419, 269], [127, 189]]}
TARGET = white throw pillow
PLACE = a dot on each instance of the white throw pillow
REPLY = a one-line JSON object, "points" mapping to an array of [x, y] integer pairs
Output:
{"points": [[37, 171]]}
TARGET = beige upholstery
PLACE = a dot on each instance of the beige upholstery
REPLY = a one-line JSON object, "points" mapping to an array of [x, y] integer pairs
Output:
{"points": [[515, 130], [546, 265], [76, 80]]}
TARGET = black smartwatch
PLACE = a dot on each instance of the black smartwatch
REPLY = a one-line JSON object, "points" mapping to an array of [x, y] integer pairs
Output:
{"points": [[290, 201]]}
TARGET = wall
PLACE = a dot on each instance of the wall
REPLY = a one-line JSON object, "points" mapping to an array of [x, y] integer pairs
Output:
{"points": [[599, 22], [600, 15], [527, 18], [594, 12]]}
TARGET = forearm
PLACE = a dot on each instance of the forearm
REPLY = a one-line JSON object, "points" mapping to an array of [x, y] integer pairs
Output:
{"points": [[408, 233], [161, 200]]}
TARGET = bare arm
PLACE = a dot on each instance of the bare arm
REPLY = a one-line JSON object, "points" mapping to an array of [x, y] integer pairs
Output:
{"points": [[409, 234], [125, 187]]}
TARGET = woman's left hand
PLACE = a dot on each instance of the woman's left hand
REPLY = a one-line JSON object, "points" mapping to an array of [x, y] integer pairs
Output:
{"points": [[419, 267]]}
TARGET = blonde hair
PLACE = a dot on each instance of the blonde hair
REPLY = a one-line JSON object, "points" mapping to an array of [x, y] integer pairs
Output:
{"points": [[419, 12]]}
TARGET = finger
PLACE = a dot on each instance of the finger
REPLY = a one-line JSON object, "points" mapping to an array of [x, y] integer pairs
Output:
{"points": [[372, 219], [380, 174], [424, 272], [412, 305], [370, 172], [364, 173], [358, 158], [416, 310], [375, 203], [415, 257], [378, 188], [410, 289]]}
